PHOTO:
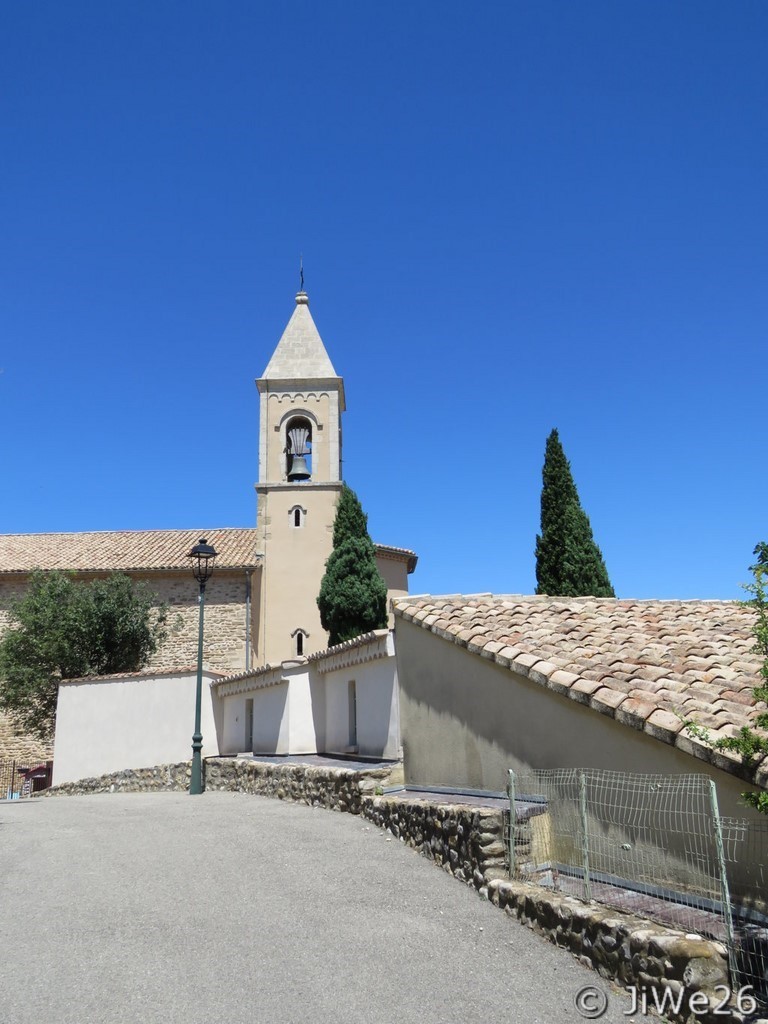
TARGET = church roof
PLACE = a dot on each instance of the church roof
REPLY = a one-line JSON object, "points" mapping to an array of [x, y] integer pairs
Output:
{"points": [[123, 550], [300, 353], [648, 664], [135, 550]]}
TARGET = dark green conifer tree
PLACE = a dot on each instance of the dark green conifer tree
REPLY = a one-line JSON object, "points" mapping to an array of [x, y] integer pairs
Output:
{"points": [[568, 562], [353, 595]]}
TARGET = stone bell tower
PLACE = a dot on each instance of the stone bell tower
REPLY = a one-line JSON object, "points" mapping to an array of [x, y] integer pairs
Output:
{"points": [[301, 402]]}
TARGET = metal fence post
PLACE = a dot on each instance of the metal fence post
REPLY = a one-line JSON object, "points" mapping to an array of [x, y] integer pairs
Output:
{"points": [[512, 821], [724, 888], [584, 834]]}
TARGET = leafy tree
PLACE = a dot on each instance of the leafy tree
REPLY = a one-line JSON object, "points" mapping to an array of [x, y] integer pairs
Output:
{"points": [[63, 629], [353, 595], [568, 562], [751, 746]]}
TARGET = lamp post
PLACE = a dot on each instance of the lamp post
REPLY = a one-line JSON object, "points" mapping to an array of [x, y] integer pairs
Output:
{"points": [[203, 556]]}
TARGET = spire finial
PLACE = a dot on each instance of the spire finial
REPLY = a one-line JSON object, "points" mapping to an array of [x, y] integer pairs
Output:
{"points": [[302, 299]]}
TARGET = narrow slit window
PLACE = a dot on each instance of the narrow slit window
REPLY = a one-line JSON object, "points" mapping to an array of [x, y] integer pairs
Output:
{"points": [[296, 517], [299, 637]]}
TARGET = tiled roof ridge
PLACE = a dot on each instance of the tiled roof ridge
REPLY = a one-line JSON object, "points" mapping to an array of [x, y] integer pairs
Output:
{"points": [[261, 670], [144, 673], [346, 645], [391, 547], [349, 645], [546, 598], [653, 698], [398, 554]]}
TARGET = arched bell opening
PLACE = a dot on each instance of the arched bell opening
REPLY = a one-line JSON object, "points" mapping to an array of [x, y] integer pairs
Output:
{"points": [[298, 449]]}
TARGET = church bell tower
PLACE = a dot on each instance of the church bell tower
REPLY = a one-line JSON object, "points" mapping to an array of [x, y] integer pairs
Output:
{"points": [[301, 399]]}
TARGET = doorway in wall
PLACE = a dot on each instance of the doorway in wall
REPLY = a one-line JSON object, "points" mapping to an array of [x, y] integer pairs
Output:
{"points": [[352, 697], [249, 723]]}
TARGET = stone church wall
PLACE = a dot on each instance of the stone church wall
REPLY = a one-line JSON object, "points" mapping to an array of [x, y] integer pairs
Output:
{"points": [[225, 617], [225, 621], [225, 636], [10, 590], [22, 748]]}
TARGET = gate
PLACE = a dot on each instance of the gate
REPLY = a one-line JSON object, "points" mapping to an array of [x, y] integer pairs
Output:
{"points": [[20, 779]]}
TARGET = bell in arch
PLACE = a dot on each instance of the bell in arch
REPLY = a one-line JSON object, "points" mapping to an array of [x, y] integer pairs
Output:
{"points": [[299, 439]]}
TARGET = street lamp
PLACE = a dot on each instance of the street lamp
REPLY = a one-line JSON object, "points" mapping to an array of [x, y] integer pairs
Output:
{"points": [[203, 557]]}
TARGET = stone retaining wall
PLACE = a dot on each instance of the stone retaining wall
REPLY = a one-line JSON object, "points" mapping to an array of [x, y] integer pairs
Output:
{"points": [[338, 789], [631, 951], [132, 780], [467, 842]]}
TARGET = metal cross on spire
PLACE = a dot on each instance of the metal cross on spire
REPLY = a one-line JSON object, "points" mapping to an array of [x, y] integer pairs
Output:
{"points": [[301, 272]]}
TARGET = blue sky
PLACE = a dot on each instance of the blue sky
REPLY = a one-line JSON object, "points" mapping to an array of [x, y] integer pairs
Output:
{"points": [[513, 217]]}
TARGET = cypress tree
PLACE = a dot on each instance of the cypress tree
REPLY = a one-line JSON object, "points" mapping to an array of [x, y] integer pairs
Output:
{"points": [[353, 594], [568, 562]]}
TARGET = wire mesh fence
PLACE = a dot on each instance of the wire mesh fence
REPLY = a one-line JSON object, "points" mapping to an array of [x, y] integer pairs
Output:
{"points": [[651, 845], [745, 849]]}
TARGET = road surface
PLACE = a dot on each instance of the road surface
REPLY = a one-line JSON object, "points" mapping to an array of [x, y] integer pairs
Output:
{"points": [[232, 909]]}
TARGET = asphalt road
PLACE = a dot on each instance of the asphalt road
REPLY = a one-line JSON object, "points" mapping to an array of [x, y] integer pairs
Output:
{"points": [[227, 909]]}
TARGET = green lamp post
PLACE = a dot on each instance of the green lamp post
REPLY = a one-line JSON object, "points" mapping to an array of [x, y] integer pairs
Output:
{"points": [[203, 557]]}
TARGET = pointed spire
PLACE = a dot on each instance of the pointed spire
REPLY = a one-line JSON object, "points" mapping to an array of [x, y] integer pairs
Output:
{"points": [[300, 353]]}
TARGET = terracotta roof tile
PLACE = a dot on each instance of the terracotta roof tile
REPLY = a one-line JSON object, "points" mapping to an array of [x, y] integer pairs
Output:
{"points": [[136, 550], [125, 550], [398, 554], [645, 663]]}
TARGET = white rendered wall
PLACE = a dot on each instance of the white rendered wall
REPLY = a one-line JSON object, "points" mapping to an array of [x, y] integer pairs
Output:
{"points": [[302, 734], [271, 719], [377, 708], [136, 722], [277, 714]]}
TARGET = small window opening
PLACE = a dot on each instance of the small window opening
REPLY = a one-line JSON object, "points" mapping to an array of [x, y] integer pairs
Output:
{"points": [[299, 642], [296, 516]]}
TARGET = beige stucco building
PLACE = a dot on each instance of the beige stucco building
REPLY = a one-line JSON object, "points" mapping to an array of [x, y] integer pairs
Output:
{"points": [[261, 601]]}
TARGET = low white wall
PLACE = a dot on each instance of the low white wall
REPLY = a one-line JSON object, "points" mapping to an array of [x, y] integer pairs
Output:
{"points": [[285, 709], [271, 719], [377, 708], [303, 708], [113, 724], [302, 733]]}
